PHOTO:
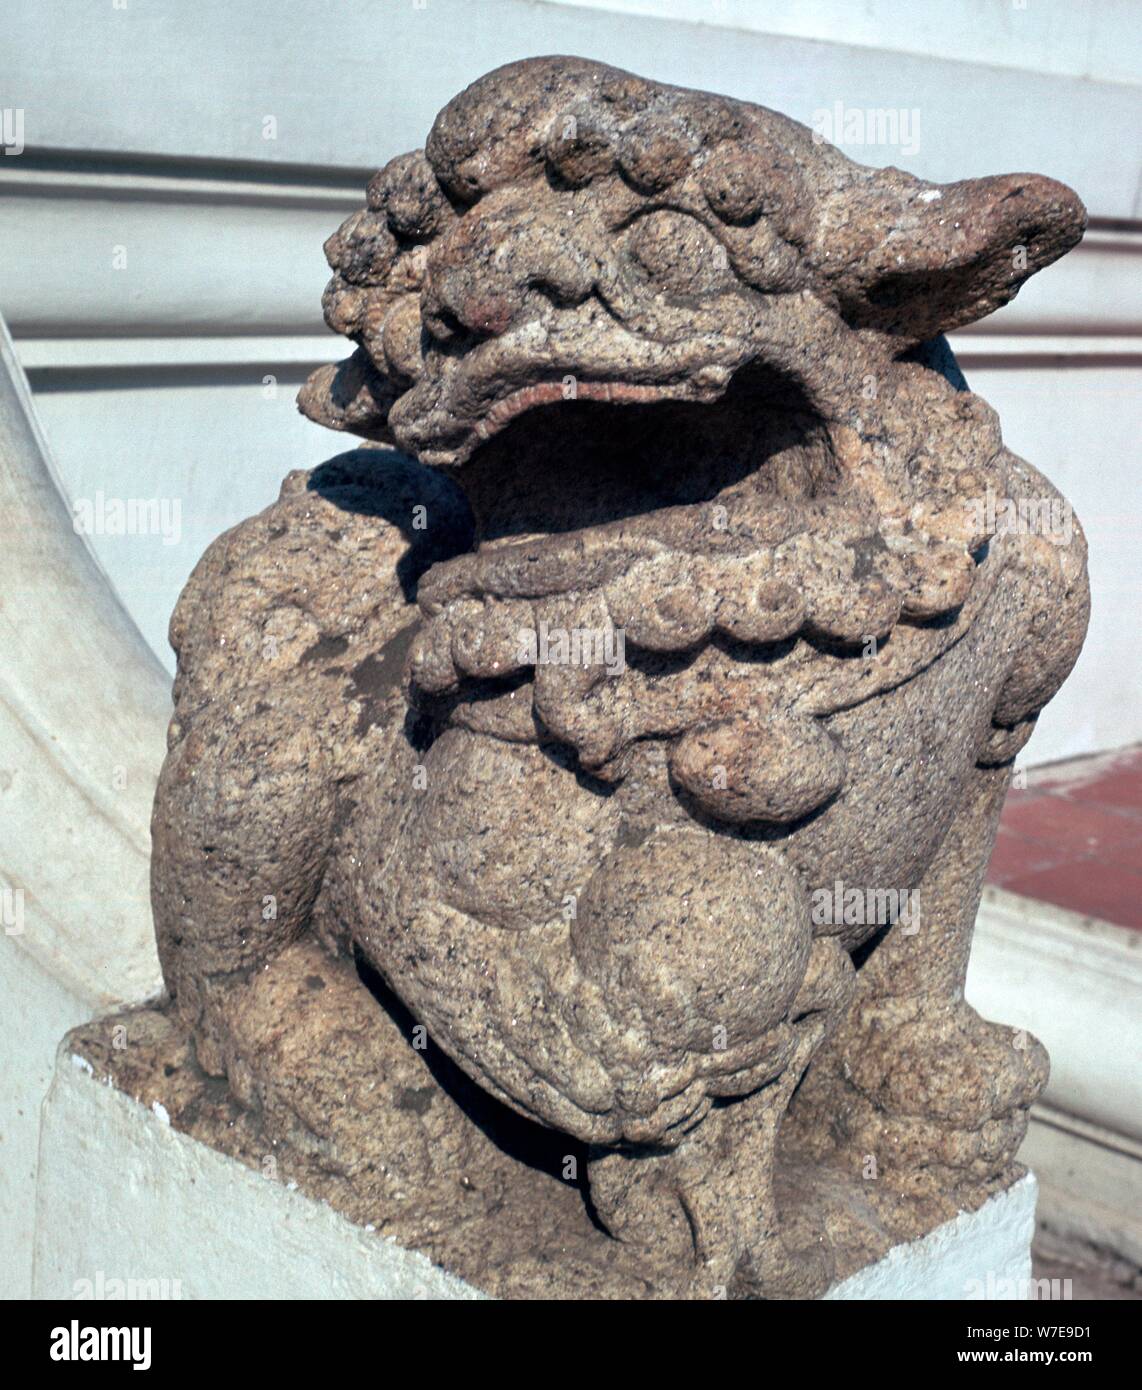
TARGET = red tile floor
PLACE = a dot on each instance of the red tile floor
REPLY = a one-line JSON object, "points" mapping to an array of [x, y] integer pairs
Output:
{"points": [[1072, 836]]}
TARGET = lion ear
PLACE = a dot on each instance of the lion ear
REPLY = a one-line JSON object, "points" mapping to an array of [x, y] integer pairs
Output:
{"points": [[914, 259]]}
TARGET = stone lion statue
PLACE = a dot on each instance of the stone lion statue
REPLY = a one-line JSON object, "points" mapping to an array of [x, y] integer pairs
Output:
{"points": [[631, 716]]}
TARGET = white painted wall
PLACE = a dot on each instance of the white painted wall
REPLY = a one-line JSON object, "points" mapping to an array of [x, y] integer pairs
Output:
{"points": [[1083, 38], [83, 709]]}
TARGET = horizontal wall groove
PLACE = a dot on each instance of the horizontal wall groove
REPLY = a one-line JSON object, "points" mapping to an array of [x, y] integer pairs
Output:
{"points": [[77, 166], [106, 355]]}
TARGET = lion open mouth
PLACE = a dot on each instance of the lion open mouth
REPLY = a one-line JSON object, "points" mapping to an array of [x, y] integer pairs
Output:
{"points": [[672, 349]]}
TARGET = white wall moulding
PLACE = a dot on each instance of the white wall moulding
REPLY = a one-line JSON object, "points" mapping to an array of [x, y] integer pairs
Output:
{"points": [[1073, 300], [1042, 350], [139, 254], [124, 1196], [1090, 1185], [83, 707], [95, 357], [1076, 983], [323, 101], [134, 253]]}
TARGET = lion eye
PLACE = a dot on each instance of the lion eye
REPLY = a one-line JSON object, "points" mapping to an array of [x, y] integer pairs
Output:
{"points": [[677, 253]]}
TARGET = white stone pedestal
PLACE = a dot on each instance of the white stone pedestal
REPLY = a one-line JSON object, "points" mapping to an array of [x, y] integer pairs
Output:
{"points": [[128, 1206], [982, 1255]]}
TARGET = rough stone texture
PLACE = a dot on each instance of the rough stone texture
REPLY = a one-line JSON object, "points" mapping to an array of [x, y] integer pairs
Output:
{"points": [[548, 746]]}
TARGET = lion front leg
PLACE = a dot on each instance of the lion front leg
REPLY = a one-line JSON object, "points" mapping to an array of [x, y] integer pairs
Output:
{"points": [[915, 1083]]}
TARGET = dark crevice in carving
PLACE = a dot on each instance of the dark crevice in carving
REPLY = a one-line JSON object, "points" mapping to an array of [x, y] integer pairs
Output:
{"points": [[520, 1138], [603, 462], [862, 953]]}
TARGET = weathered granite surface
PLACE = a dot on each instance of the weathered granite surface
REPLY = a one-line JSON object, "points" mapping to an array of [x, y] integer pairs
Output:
{"points": [[516, 779]]}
